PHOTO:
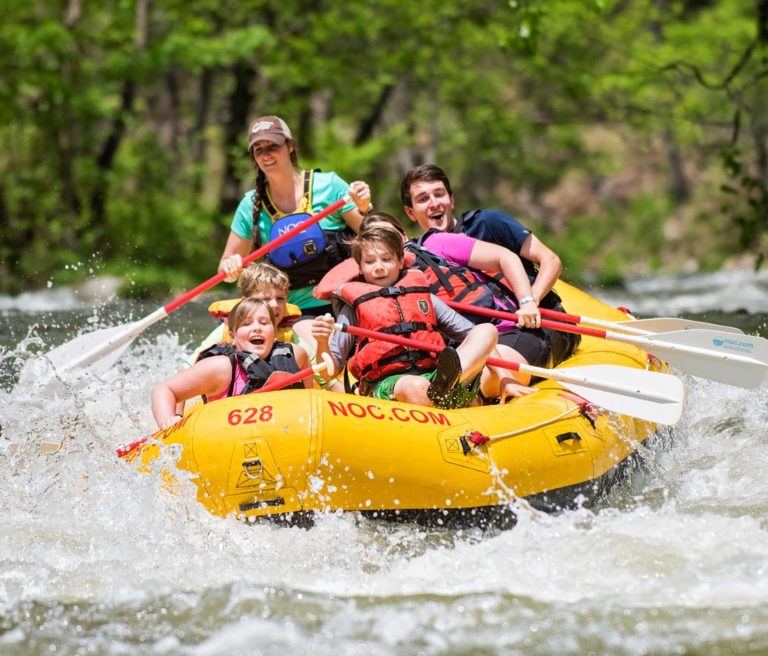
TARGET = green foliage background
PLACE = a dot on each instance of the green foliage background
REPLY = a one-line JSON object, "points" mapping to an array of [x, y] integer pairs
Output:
{"points": [[630, 135]]}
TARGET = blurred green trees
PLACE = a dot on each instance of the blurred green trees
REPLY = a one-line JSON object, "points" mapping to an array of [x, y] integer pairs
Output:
{"points": [[631, 135]]}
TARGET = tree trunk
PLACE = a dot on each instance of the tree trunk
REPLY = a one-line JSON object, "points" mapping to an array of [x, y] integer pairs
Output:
{"points": [[239, 104], [371, 122], [197, 133], [172, 120], [73, 13], [64, 143], [762, 23], [18, 236], [679, 189], [303, 131], [106, 156], [677, 182], [401, 110]]}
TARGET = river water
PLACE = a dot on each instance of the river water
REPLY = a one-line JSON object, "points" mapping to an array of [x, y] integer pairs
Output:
{"points": [[97, 559]]}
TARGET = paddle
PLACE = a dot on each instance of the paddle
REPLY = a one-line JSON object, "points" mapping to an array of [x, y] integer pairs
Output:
{"points": [[100, 349], [281, 379], [641, 326], [638, 393], [278, 380], [735, 359]]}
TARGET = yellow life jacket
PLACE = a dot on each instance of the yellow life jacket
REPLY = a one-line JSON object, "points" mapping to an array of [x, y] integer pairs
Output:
{"points": [[305, 206], [284, 332]]}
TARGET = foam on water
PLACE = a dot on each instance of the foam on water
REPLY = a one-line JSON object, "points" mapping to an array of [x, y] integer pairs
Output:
{"points": [[95, 557], [47, 300], [724, 291]]}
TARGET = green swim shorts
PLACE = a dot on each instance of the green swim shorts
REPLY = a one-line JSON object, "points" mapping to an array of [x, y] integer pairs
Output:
{"points": [[460, 396], [385, 388]]}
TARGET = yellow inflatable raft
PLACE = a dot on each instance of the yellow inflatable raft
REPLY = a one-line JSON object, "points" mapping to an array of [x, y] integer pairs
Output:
{"points": [[287, 454]]}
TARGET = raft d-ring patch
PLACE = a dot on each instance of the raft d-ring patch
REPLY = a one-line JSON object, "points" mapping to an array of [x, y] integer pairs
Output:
{"points": [[255, 467], [452, 447]]}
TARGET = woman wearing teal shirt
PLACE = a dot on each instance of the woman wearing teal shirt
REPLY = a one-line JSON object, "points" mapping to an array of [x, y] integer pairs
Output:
{"points": [[283, 189]]}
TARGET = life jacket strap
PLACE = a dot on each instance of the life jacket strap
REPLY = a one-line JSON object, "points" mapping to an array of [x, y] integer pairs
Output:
{"points": [[274, 213], [390, 292], [399, 329], [411, 357]]}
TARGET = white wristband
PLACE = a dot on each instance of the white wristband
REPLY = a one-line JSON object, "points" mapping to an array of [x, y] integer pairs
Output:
{"points": [[526, 299]]}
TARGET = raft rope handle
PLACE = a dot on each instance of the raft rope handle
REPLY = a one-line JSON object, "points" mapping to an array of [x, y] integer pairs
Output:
{"points": [[477, 439], [472, 439], [533, 427]]}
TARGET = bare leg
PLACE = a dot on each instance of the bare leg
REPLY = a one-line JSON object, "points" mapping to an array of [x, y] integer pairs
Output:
{"points": [[412, 389], [501, 382], [337, 386], [475, 350]]}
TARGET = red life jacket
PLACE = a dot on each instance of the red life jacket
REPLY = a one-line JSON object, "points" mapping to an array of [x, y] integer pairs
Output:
{"points": [[450, 282], [446, 281], [404, 310]]}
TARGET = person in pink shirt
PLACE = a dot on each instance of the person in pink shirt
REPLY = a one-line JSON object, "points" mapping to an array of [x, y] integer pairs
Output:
{"points": [[521, 341], [232, 369]]}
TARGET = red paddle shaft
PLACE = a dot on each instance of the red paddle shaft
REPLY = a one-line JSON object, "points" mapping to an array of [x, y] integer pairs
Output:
{"points": [[414, 343], [266, 248], [545, 323]]}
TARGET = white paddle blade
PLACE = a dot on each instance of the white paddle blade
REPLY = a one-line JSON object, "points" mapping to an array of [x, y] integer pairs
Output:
{"points": [[95, 352], [647, 395], [740, 360], [663, 325], [74, 359]]}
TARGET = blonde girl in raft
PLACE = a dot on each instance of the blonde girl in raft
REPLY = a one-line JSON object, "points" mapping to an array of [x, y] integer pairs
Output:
{"points": [[229, 370]]}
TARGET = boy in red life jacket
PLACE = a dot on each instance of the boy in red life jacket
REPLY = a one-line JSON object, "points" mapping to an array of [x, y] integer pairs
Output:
{"points": [[392, 299]]}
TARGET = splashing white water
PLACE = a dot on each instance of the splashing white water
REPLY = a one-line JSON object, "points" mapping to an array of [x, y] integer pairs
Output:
{"points": [[96, 557]]}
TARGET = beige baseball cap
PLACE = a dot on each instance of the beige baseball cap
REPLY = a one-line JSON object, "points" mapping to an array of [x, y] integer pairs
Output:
{"points": [[268, 128]]}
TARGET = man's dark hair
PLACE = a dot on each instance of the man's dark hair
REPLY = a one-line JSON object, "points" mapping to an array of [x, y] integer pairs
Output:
{"points": [[423, 173]]}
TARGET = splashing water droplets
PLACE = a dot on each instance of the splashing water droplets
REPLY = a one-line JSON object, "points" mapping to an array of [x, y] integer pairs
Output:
{"points": [[95, 554]]}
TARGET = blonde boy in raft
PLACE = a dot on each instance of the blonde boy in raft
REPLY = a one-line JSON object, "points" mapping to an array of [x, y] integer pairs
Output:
{"points": [[269, 284]]}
